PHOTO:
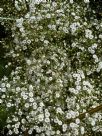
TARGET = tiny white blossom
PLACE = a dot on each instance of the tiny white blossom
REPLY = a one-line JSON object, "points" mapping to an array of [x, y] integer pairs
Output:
{"points": [[28, 62], [64, 126], [100, 36], [31, 100], [10, 132], [47, 120], [23, 121], [8, 85], [18, 89], [41, 117], [86, 1], [82, 130], [1, 101], [25, 97], [26, 105], [34, 105], [30, 88], [3, 89], [93, 122], [100, 65], [77, 121], [68, 116], [3, 85], [30, 132], [31, 94], [9, 104], [71, 1]]}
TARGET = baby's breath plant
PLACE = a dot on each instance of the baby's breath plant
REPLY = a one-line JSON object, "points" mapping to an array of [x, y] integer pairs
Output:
{"points": [[54, 86]]}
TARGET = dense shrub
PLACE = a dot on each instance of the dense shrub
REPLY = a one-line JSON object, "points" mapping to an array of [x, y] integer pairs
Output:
{"points": [[53, 55]]}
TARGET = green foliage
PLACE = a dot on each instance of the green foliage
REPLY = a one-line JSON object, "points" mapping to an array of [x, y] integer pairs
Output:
{"points": [[3, 116]]}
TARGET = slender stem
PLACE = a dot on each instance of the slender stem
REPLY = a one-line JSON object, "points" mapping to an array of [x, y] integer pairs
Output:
{"points": [[90, 112], [5, 18], [26, 133]]}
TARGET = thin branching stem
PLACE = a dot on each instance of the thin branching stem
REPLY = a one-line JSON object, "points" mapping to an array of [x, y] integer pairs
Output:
{"points": [[90, 112]]}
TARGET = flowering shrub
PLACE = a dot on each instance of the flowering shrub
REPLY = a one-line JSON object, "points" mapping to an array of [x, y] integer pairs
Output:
{"points": [[54, 86]]}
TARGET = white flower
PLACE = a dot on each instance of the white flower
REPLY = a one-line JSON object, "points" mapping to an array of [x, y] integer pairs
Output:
{"points": [[25, 97], [74, 26], [100, 65], [30, 132], [65, 29], [23, 121], [86, 1], [3, 89], [48, 62], [50, 78], [94, 46], [48, 15], [87, 83], [3, 96], [9, 104], [26, 105], [53, 27], [100, 36], [93, 122], [88, 34], [8, 126], [30, 88], [19, 22], [77, 121], [95, 57], [72, 125], [71, 1], [16, 131], [59, 122], [47, 114], [57, 95], [59, 110], [28, 62], [17, 125], [74, 45], [22, 93], [41, 104], [31, 100], [64, 126], [1, 9], [19, 112], [78, 87], [49, 26], [8, 85], [10, 132], [73, 114], [82, 130], [31, 94], [68, 116], [3, 85], [34, 105], [1, 101], [15, 119], [18, 89], [76, 131], [47, 120], [41, 117]]}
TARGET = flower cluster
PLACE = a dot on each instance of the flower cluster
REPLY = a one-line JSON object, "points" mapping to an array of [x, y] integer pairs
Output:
{"points": [[56, 53]]}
